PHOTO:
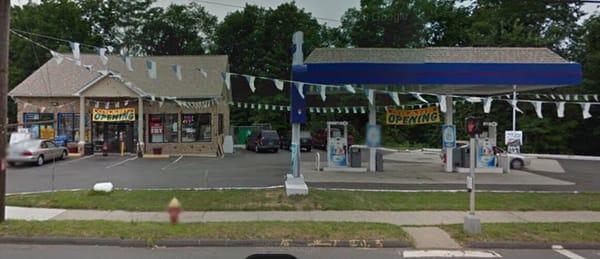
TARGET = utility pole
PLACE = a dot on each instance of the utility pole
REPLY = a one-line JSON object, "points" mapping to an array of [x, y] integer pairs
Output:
{"points": [[4, 32]]}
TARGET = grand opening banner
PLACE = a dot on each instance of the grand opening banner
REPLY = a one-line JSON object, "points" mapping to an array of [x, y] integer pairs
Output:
{"points": [[412, 117], [113, 115]]}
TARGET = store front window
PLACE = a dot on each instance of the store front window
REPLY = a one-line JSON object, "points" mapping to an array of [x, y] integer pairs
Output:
{"points": [[163, 128], [40, 130], [195, 127], [68, 126]]}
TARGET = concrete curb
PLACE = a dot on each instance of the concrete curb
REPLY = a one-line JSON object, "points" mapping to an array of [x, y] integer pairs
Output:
{"points": [[531, 245], [564, 157], [203, 243]]}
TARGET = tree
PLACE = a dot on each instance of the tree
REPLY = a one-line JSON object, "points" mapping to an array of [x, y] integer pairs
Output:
{"points": [[381, 23], [119, 22], [66, 23], [180, 30]]}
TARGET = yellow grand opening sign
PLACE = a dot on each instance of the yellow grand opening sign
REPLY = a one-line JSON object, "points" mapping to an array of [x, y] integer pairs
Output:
{"points": [[110, 115], [412, 117]]}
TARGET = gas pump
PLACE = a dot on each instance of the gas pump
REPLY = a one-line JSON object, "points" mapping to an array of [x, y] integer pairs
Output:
{"points": [[337, 143], [486, 156]]}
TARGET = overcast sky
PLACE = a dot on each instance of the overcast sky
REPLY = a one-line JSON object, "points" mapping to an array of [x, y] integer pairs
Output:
{"points": [[326, 9]]}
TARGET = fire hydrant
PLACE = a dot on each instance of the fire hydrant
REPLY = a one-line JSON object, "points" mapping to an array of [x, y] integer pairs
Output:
{"points": [[174, 210]]}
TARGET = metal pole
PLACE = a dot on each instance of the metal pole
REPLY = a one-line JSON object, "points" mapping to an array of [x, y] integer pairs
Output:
{"points": [[448, 120], [372, 121], [514, 110], [4, 34], [472, 153]]}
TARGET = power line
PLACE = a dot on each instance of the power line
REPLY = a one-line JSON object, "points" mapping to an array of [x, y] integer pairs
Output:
{"points": [[241, 7]]}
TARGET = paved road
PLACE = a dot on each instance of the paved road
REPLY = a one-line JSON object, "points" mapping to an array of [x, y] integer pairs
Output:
{"points": [[79, 252], [245, 169]]}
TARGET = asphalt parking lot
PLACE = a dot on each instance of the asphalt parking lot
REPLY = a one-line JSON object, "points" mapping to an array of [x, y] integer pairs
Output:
{"points": [[244, 169]]}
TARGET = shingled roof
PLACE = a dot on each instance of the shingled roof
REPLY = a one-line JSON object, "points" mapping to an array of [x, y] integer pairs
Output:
{"points": [[434, 55], [66, 79]]}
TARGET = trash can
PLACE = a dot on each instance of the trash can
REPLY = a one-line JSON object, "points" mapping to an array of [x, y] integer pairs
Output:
{"points": [[88, 149], [355, 157], [379, 161]]}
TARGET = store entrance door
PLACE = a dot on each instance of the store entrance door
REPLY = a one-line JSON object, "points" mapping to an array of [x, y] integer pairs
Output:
{"points": [[113, 134]]}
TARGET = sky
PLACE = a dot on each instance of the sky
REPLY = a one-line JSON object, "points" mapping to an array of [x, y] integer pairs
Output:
{"points": [[327, 9]]}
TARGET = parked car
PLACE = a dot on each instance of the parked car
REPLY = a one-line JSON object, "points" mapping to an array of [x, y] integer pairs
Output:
{"points": [[319, 138], [305, 141], [517, 161], [36, 151], [263, 140]]}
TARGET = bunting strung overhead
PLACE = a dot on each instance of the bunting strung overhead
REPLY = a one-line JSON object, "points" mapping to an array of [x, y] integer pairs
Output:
{"points": [[76, 52], [102, 54], [560, 109], [177, 70], [151, 65], [250, 80]]}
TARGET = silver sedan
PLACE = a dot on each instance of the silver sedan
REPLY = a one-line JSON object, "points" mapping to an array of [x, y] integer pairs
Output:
{"points": [[36, 151]]}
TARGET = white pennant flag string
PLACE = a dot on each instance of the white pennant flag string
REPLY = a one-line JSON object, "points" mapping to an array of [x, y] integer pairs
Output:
{"points": [[585, 109], [419, 97], [227, 78], [151, 65], [350, 89], [102, 54], [487, 105], [560, 109], [250, 80], [204, 73], [323, 92], [395, 98], [442, 103], [371, 96], [177, 70], [76, 53], [513, 103], [278, 84], [57, 57], [538, 109], [300, 89]]}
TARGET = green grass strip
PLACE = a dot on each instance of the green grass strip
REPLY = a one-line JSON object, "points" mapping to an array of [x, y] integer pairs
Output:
{"points": [[150, 232], [530, 232], [276, 199]]}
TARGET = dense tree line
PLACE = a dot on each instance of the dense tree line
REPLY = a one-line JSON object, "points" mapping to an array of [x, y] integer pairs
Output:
{"points": [[257, 41]]}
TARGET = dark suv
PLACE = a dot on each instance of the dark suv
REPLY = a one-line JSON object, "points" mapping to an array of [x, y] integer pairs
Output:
{"points": [[263, 140], [305, 141]]}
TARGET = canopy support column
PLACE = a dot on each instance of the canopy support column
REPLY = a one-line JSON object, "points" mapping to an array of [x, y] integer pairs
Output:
{"points": [[140, 146], [81, 144], [372, 121], [448, 120]]}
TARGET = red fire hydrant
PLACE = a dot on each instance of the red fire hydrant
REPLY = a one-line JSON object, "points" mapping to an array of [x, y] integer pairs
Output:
{"points": [[174, 210]]}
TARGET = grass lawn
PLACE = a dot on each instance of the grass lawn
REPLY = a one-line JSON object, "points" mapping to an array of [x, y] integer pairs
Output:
{"points": [[151, 232], [276, 199], [530, 232]]}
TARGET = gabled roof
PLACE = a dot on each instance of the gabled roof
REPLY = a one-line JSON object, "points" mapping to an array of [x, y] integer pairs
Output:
{"points": [[434, 55], [67, 79]]}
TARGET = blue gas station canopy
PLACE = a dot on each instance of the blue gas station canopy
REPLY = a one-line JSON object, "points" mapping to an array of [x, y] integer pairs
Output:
{"points": [[450, 70]]}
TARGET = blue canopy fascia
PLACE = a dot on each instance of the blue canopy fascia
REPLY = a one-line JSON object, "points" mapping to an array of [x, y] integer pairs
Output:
{"points": [[550, 74]]}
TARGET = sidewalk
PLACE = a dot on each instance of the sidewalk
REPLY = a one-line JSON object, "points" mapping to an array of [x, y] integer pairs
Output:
{"points": [[416, 218]]}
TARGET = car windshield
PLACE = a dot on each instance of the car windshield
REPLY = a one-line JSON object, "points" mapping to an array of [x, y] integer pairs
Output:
{"points": [[269, 134], [305, 134]]}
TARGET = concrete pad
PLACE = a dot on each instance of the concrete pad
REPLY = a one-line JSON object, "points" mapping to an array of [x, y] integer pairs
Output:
{"points": [[431, 237], [424, 173], [284, 216], [558, 216], [20, 213], [546, 165]]}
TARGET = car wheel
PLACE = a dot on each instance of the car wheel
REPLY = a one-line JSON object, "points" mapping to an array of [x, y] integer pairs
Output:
{"points": [[516, 164], [64, 155], [40, 160], [308, 149], [12, 164], [275, 150]]}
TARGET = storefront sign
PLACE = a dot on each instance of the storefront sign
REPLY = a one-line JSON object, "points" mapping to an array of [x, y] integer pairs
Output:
{"points": [[108, 115], [413, 117]]}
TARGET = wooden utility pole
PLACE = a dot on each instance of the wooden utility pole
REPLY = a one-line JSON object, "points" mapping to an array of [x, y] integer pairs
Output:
{"points": [[4, 32]]}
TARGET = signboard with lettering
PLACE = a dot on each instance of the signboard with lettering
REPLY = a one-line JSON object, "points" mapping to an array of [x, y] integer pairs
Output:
{"points": [[412, 117], [109, 115]]}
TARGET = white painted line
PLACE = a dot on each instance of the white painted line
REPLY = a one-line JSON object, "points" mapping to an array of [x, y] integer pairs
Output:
{"points": [[559, 249], [174, 161], [122, 162], [76, 160], [449, 254]]}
